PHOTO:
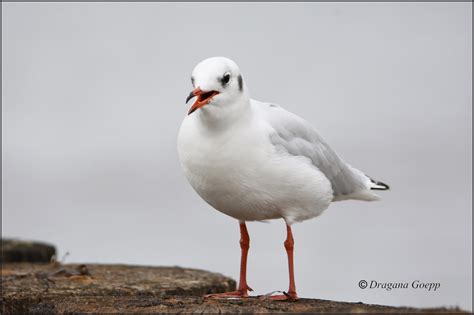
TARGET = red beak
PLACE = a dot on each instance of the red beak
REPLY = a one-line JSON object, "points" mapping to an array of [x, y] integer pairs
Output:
{"points": [[203, 98]]}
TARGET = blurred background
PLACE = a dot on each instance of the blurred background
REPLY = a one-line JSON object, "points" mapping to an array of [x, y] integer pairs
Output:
{"points": [[93, 97]]}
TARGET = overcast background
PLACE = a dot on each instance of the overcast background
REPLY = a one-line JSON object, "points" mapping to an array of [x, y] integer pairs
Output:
{"points": [[93, 97]]}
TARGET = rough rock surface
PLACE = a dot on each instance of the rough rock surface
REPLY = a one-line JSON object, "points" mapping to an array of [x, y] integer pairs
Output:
{"points": [[56, 288], [24, 251]]}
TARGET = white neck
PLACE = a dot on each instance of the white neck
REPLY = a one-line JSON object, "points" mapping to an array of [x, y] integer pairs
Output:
{"points": [[226, 116]]}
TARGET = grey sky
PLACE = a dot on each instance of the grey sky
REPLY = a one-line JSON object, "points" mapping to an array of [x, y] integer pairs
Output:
{"points": [[93, 96]]}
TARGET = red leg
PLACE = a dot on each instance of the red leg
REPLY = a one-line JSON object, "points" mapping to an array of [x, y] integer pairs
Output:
{"points": [[289, 245], [243, 288], [244, 245]]}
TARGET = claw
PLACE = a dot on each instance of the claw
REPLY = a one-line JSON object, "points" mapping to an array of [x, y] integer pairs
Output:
{"points": [[268, 295], [280, 297]]}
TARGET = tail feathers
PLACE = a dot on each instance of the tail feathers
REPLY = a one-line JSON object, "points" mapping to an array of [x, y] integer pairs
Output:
{"points": [[375, 185]]}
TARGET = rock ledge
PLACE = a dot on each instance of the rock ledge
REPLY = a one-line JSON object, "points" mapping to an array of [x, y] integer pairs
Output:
{"points": [[72, 288]]}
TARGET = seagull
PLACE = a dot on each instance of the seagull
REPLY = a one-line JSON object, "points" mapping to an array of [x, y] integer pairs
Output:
{"points": [[255, 161]]}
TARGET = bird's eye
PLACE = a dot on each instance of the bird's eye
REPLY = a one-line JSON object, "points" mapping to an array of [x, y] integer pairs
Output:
{"points": [[192, 81], [225, 79]]}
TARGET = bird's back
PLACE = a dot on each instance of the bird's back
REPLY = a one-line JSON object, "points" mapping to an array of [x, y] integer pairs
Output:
{"points": [[292, 135]]}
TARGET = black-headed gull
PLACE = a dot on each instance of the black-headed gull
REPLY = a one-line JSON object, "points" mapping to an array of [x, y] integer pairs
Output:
{"points": [[256, 161]]}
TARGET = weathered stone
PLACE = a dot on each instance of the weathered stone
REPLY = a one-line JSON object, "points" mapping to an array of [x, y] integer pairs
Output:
{"points": [[56, 284], [24, 251], [55, 288]]}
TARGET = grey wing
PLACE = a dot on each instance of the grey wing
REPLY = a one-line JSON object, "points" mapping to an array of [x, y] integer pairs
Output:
{"points": [[297, 137]]}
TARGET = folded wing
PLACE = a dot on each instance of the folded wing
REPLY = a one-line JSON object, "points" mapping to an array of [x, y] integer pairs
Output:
{"points": [[297, 137]]}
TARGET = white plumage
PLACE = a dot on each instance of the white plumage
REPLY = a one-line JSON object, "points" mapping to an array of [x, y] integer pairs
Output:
{"points": [[257, 161]]}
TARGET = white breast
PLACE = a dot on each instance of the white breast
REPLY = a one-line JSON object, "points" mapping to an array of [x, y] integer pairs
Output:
{"points": [[239, 172]]}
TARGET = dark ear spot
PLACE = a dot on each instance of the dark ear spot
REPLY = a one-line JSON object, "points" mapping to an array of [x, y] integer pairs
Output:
{"points": [[241, 83]]}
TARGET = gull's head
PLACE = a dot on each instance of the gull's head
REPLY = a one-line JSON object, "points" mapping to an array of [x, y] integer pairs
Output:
{"points": [[217, 86]]}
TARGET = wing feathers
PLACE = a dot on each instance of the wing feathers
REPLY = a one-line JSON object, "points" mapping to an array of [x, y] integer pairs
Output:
{"points": [[297, 137]]}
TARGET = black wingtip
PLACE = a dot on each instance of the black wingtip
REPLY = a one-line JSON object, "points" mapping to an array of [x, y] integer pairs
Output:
{"points": [[378, 185], [383, 186]]}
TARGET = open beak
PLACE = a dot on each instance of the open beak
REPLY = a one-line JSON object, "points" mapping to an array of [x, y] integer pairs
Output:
{"points": [[203, 98]]}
